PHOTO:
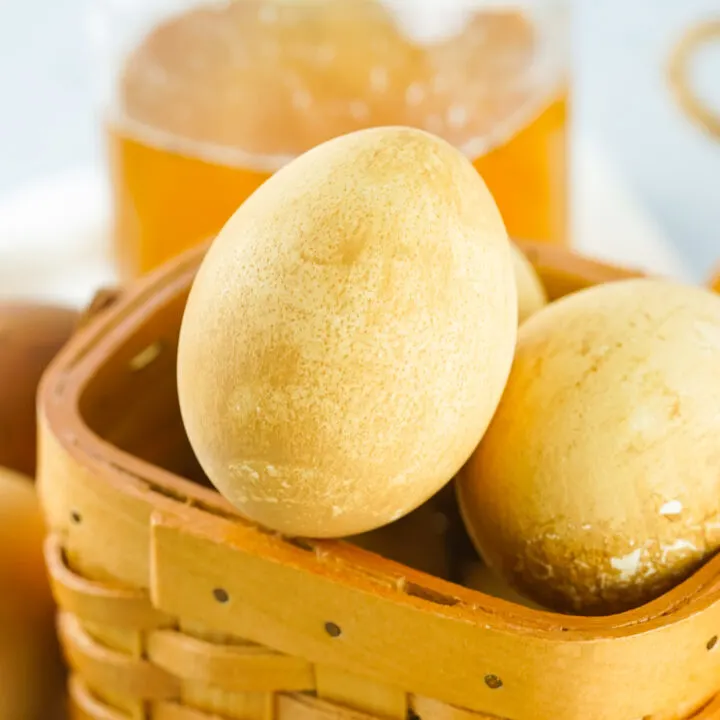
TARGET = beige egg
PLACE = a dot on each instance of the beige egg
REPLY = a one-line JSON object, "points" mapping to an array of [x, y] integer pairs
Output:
{"points": [[30, 336], [597, 484], [531, 292], [32, 677], [349, 334]]}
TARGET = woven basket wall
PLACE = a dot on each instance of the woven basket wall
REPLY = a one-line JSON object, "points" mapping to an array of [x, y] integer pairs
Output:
{"points": [[172, 607]]}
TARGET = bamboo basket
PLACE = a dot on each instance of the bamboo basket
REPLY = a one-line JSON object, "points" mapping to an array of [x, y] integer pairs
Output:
{"points": [[173, 607]]}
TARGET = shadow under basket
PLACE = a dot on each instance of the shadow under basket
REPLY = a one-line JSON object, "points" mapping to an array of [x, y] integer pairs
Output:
{"points": [[173, 607]]}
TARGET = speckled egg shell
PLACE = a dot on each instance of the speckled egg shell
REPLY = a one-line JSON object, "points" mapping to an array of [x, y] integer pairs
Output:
{"points": [[349, 334], [597, 485]]}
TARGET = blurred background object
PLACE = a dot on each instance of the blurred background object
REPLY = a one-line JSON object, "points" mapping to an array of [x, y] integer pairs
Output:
{"points": [[697, 39], [32, 677], [31, 334], [202, 101], [31, 670], [642, 175]]}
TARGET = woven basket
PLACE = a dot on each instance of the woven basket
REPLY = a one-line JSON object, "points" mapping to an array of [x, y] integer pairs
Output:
{"points": [[173, 607]]}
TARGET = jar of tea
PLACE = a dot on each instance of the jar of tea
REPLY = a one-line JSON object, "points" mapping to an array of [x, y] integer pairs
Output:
{"points": [[202, 101]]}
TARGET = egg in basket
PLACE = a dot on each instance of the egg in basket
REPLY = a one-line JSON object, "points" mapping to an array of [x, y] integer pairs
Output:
{"points": [[366, 458]]}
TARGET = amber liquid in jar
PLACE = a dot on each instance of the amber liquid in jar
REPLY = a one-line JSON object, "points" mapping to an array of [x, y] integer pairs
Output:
{"points": [[216, 99]]}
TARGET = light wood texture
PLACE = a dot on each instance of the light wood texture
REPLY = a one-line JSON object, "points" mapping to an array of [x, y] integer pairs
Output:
{"points": [[238, 706], [174, 604], [563, 273], [352, 690], [303, 707], [99, 603], [85, 706], [124, 640], [232, 668], [113, 672], [447, 632]]}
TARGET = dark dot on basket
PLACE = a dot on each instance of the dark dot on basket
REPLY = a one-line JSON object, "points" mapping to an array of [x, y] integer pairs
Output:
{"points": [[493, 682], [221, 595], [712, 642], [332, 629], [75, 517]]}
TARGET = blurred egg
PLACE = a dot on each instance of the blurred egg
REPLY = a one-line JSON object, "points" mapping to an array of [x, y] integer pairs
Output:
{"points": [[30, 336], [531, 292], [31, 673], [349, 334], [597, 485]]}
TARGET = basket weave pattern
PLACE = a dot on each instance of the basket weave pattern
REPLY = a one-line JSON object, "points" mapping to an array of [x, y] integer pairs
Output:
{"points": [[130, 660], [173, 607]]}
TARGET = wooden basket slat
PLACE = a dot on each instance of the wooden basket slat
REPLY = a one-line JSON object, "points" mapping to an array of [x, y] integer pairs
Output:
{"points": [[104, 526], [114, 672], [125, 640], [174, 711], [237, 668], [139, 548], [563, 273], [231, 705], [356, 691], [85, 706], [97, 602], [304, 707]]}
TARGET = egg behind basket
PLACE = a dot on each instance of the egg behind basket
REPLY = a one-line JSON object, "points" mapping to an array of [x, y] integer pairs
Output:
{"points": [[349, 334], [30, 336], [31, 676]]}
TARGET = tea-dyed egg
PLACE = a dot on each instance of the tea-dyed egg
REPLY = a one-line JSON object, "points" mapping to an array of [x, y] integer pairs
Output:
{"points": [[349, 334], [531, 292], [31, 671], [30, 336], [597, 484]]}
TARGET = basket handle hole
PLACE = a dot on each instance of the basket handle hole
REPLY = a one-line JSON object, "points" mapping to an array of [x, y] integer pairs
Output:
{"points": [[712, 642]]}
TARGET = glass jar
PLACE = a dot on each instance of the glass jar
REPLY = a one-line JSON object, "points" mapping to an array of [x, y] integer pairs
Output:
{"points": [[204, 100]]}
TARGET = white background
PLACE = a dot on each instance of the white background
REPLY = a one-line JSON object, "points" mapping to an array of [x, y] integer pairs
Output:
{"points": [[669, 167]]}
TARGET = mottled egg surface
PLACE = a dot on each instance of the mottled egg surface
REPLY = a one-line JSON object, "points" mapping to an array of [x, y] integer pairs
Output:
{"points": [[349, 334], [597, 484]]}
